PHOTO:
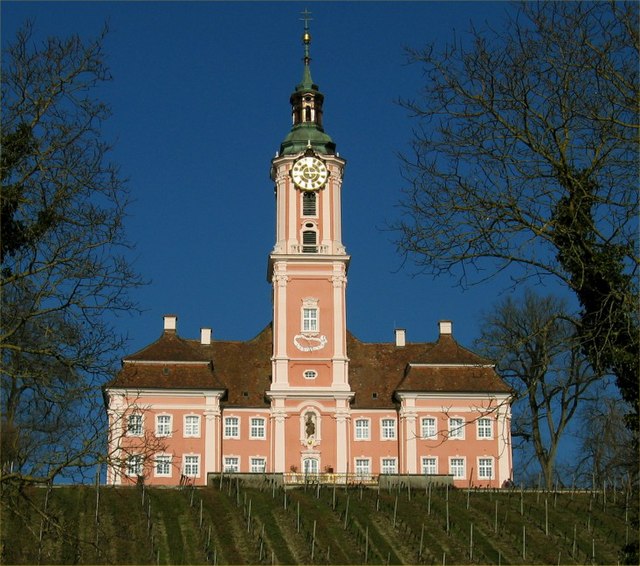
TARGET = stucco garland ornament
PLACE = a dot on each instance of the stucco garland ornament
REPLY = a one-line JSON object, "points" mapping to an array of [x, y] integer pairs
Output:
{"points": [[313, 343]]}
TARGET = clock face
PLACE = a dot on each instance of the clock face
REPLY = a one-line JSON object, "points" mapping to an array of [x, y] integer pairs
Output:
{"points": [[309, 173]]}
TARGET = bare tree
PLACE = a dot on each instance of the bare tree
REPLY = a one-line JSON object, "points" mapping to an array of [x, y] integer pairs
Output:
{"points": [[526, 161], [64, 270], [608, 455], [534, 346]]}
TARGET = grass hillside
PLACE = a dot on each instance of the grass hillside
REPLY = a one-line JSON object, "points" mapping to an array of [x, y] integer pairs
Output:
{"points": [[232, 523]]}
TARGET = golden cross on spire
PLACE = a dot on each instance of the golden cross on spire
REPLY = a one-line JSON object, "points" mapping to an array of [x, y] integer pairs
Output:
{"points": [[306, 37]]}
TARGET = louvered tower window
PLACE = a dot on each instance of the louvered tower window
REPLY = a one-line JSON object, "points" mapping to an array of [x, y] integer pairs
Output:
{"points": [[309, 243], [309, 204]]}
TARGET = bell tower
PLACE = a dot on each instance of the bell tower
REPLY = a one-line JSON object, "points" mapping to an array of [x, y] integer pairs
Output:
{"points": [[308, 265]]}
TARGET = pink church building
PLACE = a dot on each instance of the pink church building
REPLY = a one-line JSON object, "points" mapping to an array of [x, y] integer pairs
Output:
{"points": [[305, 398]]}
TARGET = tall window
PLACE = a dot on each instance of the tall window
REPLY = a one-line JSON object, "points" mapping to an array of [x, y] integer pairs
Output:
{"points": [[232, 427], [163, 425], [429, 427], [134, 425], [134, 465], [456, 427], [309, 203], [192, 425], [363, 468], [429, 465], [192, 465], [362, 429], [309, 242], [231, 464], [309, 319], [456, 467], [388, 428], [485, 468], [257, 428], [485, 430], [389, 466], [258, 465], [310, 465], [163, 465]]}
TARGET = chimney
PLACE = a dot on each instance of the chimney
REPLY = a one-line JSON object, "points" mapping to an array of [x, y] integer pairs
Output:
{"points": [[170, 323], [401, 337], [205, 336], [446, 327]]}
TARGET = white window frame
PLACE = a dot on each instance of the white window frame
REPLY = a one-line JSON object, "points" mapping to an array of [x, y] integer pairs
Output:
{"points": [[135, 465], [485, 428], [191, 430], [456, 430], [231, 464], [425, 431], [430, 465], [389, 465], [310, 466], [162, 460], [258, 465], [257, 428], [310, 319], [232, 430], [139, 427], [188, 461], [164, 428], [387, 429], [454, 468], [484, 463], [362, 467], [362, 429], [309, 374]]}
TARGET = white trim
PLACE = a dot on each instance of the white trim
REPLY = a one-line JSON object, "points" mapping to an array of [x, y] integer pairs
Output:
{"points": [[493, 468], [155, 463], [184, 463], [464, 466], [384, 438], [184, 425], [429, 457], [224, 427], [168, 434], [355, 429]]}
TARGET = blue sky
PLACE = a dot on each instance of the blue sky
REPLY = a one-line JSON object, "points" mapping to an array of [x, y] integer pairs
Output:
{"points": [[200, 102]]}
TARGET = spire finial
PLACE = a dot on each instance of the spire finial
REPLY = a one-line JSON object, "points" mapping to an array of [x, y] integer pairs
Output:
{"points": [[306, 37]]}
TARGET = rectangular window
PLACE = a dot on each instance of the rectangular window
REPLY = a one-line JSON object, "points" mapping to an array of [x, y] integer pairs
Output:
{"points": [[232, 427], [485, 468], [134, 465], [231, 464], [134, 425], [456, 427], [430, 465], [389, 466], [456, 468], [163, 465], [363, 468], [362, 429], [308, 203], [257, 428], [309, 320], [163, 425], [192, 425], [258, 465], [388, 428], [485, 430], [192, 466], [429, 427]]}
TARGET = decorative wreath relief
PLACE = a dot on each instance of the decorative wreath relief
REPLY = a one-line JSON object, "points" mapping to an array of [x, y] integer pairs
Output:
{"points": [[309, 343]]}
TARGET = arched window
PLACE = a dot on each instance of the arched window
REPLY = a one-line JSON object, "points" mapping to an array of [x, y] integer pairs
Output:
{"points": [[310, 466]]}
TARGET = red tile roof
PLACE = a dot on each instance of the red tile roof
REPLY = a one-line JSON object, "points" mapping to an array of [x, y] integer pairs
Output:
{"points": [[243, 369]]}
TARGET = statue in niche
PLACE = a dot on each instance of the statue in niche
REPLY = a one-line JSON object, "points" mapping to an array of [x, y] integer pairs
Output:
{"points": [[310, 425]]}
